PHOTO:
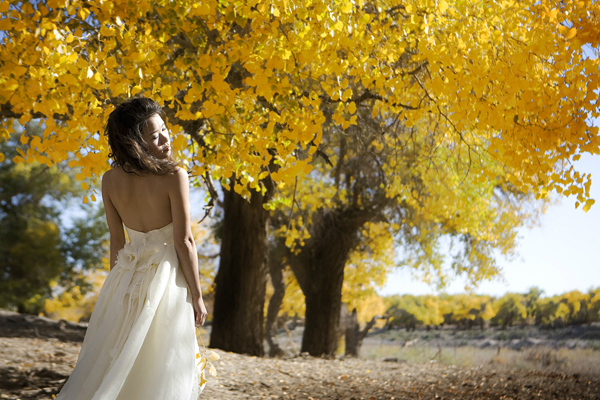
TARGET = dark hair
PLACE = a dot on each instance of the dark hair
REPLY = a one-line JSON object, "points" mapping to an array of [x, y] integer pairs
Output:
{"points": [[125, 131]]}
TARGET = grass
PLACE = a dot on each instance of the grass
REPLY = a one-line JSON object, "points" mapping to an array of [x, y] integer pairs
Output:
{"points": [[567, 361]]}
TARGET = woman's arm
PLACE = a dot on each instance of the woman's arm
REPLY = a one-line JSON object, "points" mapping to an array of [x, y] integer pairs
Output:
{"points": [[185, 245], [115, 224]]}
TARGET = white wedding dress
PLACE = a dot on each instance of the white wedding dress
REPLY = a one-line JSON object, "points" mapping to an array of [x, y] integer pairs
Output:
{"points": [[141, 341]]}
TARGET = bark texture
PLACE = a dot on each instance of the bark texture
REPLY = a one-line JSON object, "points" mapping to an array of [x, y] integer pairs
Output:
{"points": [[241, 280], [319, 268], [355, 335], [276, 274]]}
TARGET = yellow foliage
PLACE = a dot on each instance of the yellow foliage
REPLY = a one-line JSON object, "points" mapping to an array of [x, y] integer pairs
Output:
{"points": [[293, 301], [369, 307], [71, 304], [252, 74], [366, 270]]}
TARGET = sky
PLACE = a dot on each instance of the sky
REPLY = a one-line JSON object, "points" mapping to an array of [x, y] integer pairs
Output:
{"points": [[559, 255]]}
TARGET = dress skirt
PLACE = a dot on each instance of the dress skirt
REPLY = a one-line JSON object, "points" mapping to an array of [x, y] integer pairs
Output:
{"points": [[141, 341]]}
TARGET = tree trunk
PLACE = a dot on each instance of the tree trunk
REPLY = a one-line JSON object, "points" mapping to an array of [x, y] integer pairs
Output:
{"points": [[352, 335], [241, 280], [322, 315], [319, 268], [276, 274], [355, 336]]}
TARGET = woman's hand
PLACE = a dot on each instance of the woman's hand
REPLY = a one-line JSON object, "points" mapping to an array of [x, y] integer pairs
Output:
{"points": [[199, 311]]}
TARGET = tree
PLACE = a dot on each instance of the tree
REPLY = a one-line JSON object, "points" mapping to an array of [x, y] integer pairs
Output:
{"points": [[243, 82], [532, 298], [404, 311], [395, 185], [578, 307], [594, 305], [36, 248], [510, 309], [466, 311]]}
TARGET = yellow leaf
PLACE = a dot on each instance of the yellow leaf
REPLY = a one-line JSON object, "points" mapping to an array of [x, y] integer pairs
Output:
{"points": [[24, 139], [352, 107], [83, 12], [214, 356], [443, 6], [365, 19], [212, 370], [135, 90], [588, 204], [347, 7], [11, 84], [347, 94], [166, 92], [1, 157], [106, 31], [275, 11], [4, 6], [338, 26], [18, 71], [85, 200], [136, 57], [571, 33], [98, 78]]}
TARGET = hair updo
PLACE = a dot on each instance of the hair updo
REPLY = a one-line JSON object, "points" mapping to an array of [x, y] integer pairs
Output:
{"points": [[125, 131]]}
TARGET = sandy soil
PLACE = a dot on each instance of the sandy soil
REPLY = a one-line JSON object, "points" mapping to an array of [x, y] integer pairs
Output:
{"points": [[35, 363]]}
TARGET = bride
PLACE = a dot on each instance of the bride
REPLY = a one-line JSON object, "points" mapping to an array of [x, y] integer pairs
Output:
{"points": [[140, 342]]}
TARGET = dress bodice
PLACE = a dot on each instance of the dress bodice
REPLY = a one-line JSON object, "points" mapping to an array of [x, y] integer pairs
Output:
{"points": [[162, 235], [145, 249]]}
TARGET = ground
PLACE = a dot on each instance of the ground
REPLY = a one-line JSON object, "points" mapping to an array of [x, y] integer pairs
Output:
{"points": [[37, 356]]}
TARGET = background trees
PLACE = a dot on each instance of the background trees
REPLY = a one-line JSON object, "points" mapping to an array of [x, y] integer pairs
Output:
{"points": [[37, 249], [555, 311]]}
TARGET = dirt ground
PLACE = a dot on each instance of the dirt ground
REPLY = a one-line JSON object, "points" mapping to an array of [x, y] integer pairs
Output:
{"points": [[37, 356]]}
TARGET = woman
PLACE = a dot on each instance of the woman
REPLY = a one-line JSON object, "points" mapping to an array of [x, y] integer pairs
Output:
{"points": [[140, 342]]}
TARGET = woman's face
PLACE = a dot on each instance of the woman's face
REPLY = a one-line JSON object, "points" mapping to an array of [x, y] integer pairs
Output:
{"points": [[156, 136]]}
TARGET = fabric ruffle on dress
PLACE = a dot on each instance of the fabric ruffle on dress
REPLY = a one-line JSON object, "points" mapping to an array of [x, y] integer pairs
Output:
{"points": [[141, 341]]}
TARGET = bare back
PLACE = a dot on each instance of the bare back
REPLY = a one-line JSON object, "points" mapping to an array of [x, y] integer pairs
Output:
{"points": [[145, 203], [142, 201]]}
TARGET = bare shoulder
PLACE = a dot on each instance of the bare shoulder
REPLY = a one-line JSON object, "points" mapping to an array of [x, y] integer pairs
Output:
{"points": [[179, 177], [110, 176], [177, 182]]}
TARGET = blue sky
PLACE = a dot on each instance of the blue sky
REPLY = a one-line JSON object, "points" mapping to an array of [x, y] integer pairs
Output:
{"points": [[560, 255]]}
